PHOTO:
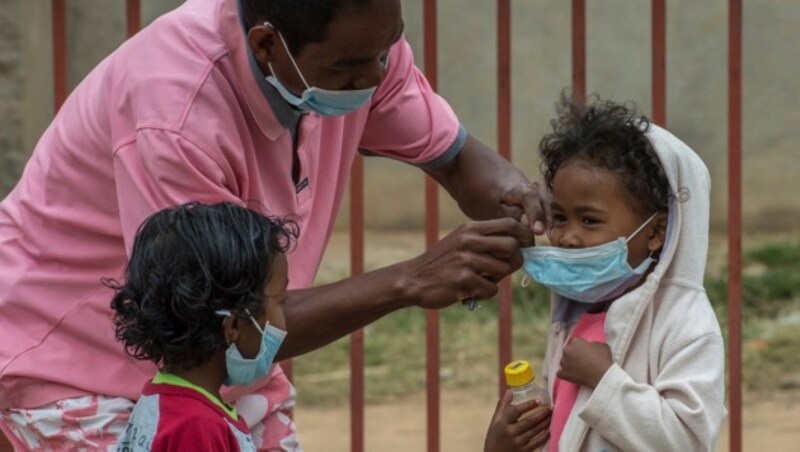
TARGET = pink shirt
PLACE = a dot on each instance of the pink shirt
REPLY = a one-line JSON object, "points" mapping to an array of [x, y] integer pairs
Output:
{"points": [[175, 114], [589, 328]]}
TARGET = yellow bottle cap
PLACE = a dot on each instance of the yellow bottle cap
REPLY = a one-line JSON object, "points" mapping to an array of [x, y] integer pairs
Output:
{"points": [[519, 373]]}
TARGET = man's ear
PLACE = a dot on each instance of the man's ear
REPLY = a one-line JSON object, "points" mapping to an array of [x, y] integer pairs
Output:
{"points": [[658, 232], [231, 328], [263, 41]]}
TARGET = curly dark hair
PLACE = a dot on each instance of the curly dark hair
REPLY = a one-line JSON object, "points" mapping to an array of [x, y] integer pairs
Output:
{"points": [[188, 262], [610, 136]]}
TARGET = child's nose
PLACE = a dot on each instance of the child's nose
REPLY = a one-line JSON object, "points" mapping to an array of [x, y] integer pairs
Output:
{"points": [[569, 239]]}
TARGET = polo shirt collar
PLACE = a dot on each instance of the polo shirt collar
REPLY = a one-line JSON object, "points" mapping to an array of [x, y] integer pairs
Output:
{"points": [[272, 114], [287, 115]]}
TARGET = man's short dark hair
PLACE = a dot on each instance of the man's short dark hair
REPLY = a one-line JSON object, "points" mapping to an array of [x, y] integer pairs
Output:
{"points": [[299, 21]]}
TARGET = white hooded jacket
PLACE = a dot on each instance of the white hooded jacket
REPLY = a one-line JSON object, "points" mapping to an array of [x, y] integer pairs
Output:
{"points": [[666, 388]]}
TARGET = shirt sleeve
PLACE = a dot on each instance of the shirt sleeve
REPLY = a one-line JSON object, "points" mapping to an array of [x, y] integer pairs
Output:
{"points": [[161, 169], [408, 121], [682, 410]]}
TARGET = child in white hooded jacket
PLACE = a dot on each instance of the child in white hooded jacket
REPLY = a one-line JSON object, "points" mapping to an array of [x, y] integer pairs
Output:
{"points": [[635, 358]]}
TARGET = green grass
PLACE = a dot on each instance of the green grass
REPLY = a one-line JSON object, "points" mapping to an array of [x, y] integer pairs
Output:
{"points": [[394, 350], [770, 281], [770, 313], [769, 360], [395, 359]]}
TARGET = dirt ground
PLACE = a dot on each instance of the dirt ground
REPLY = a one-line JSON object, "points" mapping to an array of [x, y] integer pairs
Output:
{"points": [[771, 423]]}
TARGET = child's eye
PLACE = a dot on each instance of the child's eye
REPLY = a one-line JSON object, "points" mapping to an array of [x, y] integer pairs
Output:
{"points": [[589, 221], [559, 218]]}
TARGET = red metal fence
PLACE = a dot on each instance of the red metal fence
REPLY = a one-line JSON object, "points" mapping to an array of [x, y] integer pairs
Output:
{"points": [[578, 24], [735, 222]]}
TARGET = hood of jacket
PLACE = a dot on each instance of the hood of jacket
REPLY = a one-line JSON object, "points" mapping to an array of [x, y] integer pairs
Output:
{"points": [[683, 257]]}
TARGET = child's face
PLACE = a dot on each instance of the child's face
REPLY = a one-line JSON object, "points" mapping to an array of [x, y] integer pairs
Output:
{"points": [[274, 297], [591, 207]]}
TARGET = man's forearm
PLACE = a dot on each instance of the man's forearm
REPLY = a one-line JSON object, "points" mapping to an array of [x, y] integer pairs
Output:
{"points": [[467, 263], [318, 316], [478, 179]]}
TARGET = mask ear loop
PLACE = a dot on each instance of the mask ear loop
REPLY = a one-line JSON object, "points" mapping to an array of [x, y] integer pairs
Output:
{"points": [[639, 229], [291, 58], [252, 319]]}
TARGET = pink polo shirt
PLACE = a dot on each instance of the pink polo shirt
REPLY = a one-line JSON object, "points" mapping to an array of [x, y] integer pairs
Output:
{"points": [[175, 114]]}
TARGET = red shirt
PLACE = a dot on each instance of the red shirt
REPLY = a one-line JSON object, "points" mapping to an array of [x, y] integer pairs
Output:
{"points": [[175, 418]]}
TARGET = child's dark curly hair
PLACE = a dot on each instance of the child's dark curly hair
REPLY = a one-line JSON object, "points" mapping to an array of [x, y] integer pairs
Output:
{"points": [[188, 262], [610, 136]]}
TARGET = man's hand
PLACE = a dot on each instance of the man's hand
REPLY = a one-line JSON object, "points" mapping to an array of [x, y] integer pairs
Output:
{"points": [[529, 203], [585, 363], [487, 186], [508, 433], [468, 263]]}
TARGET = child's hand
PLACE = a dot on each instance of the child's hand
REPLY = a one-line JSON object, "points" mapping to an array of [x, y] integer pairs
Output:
{"points": [[585, 363], [508, 433]]}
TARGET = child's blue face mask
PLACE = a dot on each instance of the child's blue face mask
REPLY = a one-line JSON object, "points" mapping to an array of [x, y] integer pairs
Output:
{"points": [[243, 371], [586, 275], [323, 101]]}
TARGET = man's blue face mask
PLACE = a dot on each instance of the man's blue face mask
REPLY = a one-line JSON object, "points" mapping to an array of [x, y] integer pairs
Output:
{"points": [[243, 371], [322, 101], [586, 275]]}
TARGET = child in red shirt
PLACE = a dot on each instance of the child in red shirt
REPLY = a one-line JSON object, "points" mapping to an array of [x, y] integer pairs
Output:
{"points": [[201, 299]]}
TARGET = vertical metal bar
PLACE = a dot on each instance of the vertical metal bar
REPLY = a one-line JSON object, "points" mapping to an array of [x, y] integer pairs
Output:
{"points": [[431, 43], [504, 146], [659, 63], [133, 16], [579, 50], [59, 53], [433, 399], [357, 337], [735, 222]]}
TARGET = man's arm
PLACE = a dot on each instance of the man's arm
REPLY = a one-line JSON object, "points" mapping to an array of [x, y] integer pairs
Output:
{"points": [[467, 263], [486, 186]]}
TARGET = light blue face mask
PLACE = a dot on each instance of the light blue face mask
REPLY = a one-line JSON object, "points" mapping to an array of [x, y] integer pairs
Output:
{"points": [[323, 101], [586, 275], [243, 371]]}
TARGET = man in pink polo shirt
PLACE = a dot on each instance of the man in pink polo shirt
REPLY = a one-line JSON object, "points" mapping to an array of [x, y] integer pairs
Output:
{"points": [[258, 102]]}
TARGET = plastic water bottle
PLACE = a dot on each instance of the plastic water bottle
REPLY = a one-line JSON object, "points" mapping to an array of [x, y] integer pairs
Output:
{"points": [[521, 381]]}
